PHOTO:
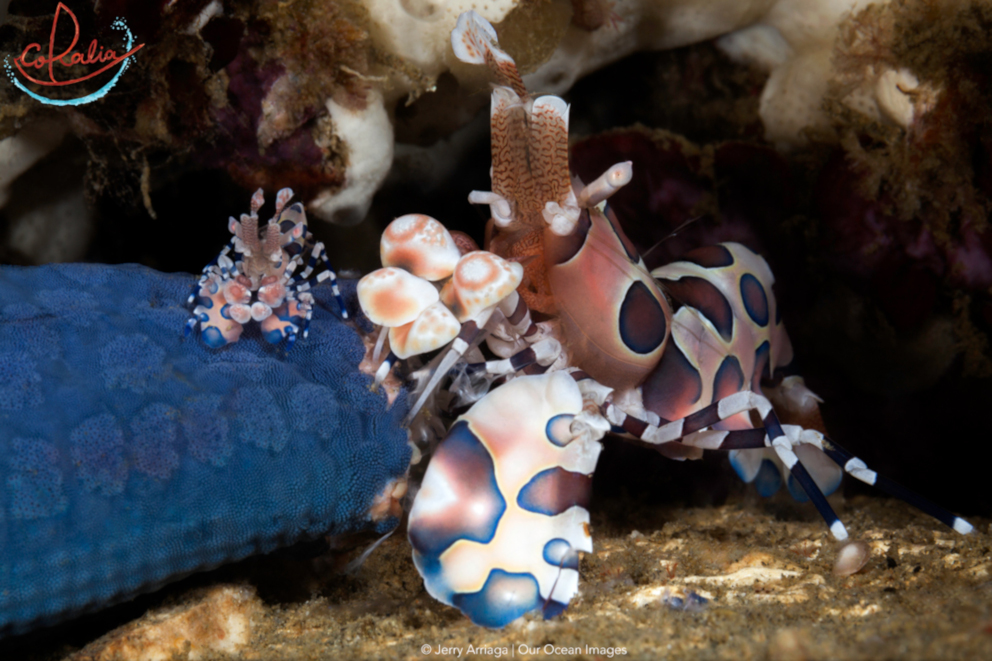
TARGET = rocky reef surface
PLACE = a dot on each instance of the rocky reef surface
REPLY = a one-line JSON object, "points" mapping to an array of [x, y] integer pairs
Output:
{"points": [[739, 581]]}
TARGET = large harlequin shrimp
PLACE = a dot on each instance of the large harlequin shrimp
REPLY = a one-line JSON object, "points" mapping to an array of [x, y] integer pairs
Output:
{"points": [[493, 526], [259, 283]]}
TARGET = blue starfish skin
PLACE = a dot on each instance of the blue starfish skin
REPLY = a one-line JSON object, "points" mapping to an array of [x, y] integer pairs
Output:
{"points": [[130, 455]]}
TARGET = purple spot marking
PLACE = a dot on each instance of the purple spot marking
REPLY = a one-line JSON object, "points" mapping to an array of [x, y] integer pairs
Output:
{"points": [[674, 386], [98, 453], [468, 468], [153, 441], [709, 257], [260, 420], [642, 322], [555, 490], [19, 382], [705, 297], [729, 379], [132, 362], [34, 484], [206, 430], [755, 299]]}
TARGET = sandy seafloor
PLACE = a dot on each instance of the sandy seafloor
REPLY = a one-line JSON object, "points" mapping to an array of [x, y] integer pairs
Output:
{"points": [[765, 566]]}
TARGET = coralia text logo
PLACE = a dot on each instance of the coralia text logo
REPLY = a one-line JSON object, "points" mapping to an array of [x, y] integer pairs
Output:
{"points": [[32, 57]]}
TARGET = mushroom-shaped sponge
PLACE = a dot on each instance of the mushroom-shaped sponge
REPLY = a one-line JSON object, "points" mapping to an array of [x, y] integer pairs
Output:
{"points": [[431, 330], [421, 245], [480, 281], [392, 297]]}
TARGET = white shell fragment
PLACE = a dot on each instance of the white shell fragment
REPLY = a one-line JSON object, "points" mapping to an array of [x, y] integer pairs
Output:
{"points": [[392, 297], [851, 558], [431, 330], [421, 245], [480, 281]]}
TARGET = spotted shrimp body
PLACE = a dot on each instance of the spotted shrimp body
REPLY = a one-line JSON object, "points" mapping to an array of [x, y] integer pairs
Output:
{"points": [[612, 319], [682, 359], [728, 336]]}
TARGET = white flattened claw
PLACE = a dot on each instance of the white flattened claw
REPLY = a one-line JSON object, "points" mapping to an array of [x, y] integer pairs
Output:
{"points": [[431, 330], [393, 297], [480, 281], [282, 197], [296, 214], [797, 397], [421, 245], [851, 558], [498, 523]]}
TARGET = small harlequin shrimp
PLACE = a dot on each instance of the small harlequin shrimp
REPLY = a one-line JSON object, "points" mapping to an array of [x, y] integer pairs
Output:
{"points": [[258, 283]]}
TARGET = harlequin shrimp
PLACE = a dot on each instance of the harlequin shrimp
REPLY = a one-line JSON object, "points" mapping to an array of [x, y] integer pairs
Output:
{"points": [[680, 358], [258, 283]]}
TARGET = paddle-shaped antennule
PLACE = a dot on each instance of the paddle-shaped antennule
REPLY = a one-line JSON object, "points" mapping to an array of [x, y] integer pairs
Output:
{"points": [[548, 159]]}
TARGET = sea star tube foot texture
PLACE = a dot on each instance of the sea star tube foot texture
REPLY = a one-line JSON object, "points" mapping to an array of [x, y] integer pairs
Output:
{"points": [[130, 455]]}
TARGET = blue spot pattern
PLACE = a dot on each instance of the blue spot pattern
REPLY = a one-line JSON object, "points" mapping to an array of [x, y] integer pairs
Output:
{"points": [[130, 455], [559, 553], [97, 451], [796, 490], [558, 430], [769, 480], [34, 479], [19, 382], [153, 440], [490, 607]]}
